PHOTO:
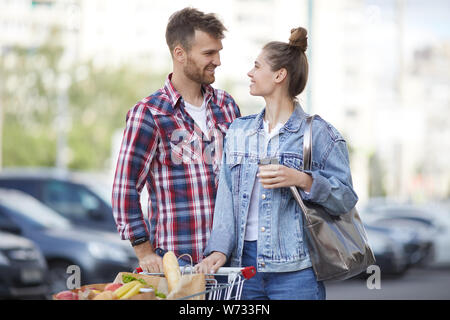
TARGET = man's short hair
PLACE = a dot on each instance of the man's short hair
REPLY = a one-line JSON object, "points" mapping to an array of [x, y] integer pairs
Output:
{"points": [[182, 25]]}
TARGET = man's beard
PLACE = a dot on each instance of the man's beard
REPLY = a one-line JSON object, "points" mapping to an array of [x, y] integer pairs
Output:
{"points": [[195, 73]]}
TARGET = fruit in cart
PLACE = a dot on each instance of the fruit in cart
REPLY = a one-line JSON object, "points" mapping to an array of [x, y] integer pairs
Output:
{"points": [[171, 270], [67, 295], [133, 291], [87, 294], [123, 290], [105, 295], [113, 286]]}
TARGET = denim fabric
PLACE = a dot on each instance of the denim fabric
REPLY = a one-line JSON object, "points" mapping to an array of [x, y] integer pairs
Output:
{"points": [[281, 246], [295, 285]]}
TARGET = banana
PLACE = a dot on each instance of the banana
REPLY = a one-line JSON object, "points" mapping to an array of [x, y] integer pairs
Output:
{"points": [[133, 291], [125, 288]]}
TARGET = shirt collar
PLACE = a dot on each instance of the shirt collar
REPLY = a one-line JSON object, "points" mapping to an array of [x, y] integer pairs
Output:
{"points": [[174, 95]]}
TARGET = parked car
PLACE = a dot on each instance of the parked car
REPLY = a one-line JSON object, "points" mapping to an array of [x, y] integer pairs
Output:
{"points": [[431, 221], [440, 216], [99, 254], [389, 250], [23, 269], [427, 226], [84, 201]]}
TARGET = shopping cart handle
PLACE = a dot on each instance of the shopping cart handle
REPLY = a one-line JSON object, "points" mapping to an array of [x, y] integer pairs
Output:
{"points": [[248, 272]]}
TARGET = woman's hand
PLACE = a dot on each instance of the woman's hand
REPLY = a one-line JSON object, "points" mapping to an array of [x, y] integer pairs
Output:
{"points": [[274, 176], [212, 263]]}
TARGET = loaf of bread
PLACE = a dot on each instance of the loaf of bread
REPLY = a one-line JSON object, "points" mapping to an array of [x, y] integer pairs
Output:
{"points": [[171, 270]]}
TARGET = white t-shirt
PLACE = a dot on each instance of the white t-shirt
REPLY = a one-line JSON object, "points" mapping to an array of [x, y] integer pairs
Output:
{"points": [[251, 229], [198, 114]]}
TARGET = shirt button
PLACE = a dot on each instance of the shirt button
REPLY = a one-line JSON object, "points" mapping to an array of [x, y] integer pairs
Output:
{"points": [[263, 229], [263, 196]]}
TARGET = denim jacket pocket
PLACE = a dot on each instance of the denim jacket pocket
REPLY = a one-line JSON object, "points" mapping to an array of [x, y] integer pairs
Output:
{"points": [[292, 160]]}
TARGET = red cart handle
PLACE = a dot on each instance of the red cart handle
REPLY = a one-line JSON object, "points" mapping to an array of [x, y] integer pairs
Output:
{"points": [[248, 272]]}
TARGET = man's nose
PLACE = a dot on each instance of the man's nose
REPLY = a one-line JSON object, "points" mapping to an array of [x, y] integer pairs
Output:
{"points": [[216, 60]]}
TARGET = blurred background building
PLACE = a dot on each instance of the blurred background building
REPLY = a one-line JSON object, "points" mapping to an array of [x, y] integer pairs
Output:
{"points": [[379, 72]]}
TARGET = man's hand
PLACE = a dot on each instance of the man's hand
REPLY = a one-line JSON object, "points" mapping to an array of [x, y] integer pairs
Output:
{"points": [[212, 263], [149, 261], [274, 176]]}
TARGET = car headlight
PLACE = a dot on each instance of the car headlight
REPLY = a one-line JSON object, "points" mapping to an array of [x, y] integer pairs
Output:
{"points": [[4, 261], [107, 252]]}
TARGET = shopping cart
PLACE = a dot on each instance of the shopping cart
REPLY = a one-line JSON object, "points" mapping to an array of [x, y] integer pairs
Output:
{"points": [[232, 290]]}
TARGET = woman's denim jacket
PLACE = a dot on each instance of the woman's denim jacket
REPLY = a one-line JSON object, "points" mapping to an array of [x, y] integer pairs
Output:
{"points": [[281, 243]]}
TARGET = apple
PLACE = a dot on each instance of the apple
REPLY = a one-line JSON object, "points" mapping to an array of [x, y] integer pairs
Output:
{"points": [[67, 295], [112, 286]]}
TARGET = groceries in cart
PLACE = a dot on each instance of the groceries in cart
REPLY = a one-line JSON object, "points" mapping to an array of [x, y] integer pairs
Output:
{"points": [[173, 283], [126, 286]]}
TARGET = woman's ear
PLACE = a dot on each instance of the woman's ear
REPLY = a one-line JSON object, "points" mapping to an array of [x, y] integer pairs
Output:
{"points": [[280, 75], [179, 54]]}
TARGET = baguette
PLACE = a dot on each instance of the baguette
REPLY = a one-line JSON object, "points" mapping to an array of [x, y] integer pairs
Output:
{"points": [[171, 270]]}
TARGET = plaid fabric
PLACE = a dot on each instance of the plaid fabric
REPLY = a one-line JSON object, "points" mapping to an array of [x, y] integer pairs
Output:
{"points": [[164, 150]]}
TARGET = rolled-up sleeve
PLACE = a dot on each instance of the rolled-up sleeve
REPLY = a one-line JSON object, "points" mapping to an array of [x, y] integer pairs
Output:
{"points": [[137, 150]]}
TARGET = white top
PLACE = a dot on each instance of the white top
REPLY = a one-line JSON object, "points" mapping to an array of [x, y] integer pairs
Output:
{"points": [[251, 230], [198, 114]]}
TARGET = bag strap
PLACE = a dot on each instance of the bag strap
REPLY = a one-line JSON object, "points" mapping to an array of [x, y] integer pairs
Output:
{"points": [[307, 163], [307, 144]]}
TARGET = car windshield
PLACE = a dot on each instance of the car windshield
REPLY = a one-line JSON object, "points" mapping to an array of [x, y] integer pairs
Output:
{"points": [[34, 211]]}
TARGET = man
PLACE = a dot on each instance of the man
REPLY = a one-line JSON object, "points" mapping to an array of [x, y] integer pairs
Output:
{"points": [[172, 144]]}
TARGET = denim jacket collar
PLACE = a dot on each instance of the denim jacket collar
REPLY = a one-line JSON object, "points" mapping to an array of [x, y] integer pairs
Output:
{"points": [[292, 125]]}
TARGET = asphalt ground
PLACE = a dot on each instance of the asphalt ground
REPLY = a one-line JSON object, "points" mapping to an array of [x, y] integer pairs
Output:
{"points": [[415, 284]]}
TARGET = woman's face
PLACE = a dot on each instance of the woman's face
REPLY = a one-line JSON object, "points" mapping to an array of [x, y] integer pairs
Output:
{"points": [[262, 78]]}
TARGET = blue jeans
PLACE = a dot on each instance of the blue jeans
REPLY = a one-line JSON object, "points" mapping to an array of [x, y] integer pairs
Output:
{"points": [[296, 285]]}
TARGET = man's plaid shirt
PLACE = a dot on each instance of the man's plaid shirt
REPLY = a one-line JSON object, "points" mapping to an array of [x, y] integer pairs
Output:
{"points": [[164, 150]]}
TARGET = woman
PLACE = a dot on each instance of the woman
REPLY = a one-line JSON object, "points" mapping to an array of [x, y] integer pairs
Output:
{"points": [[256, 219]]}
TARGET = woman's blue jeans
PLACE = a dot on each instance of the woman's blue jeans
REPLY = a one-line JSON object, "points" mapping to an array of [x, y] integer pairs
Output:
{"points": [[296, 285]]}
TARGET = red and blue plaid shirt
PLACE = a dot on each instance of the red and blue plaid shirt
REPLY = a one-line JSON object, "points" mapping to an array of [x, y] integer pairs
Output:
{"points": [[164, 150]]}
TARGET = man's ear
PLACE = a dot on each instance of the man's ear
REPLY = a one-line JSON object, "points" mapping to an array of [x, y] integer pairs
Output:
{"points": [[280, 75], [179, 54]]}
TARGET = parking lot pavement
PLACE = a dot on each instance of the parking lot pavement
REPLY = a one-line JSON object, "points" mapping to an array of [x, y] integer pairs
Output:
{"points": [[416, 284]]}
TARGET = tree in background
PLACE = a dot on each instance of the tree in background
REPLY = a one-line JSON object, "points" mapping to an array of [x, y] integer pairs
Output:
{"points": [[97, 102]]}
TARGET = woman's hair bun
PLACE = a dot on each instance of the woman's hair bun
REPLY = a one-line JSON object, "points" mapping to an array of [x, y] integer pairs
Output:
{"points": [[299, 38]]}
